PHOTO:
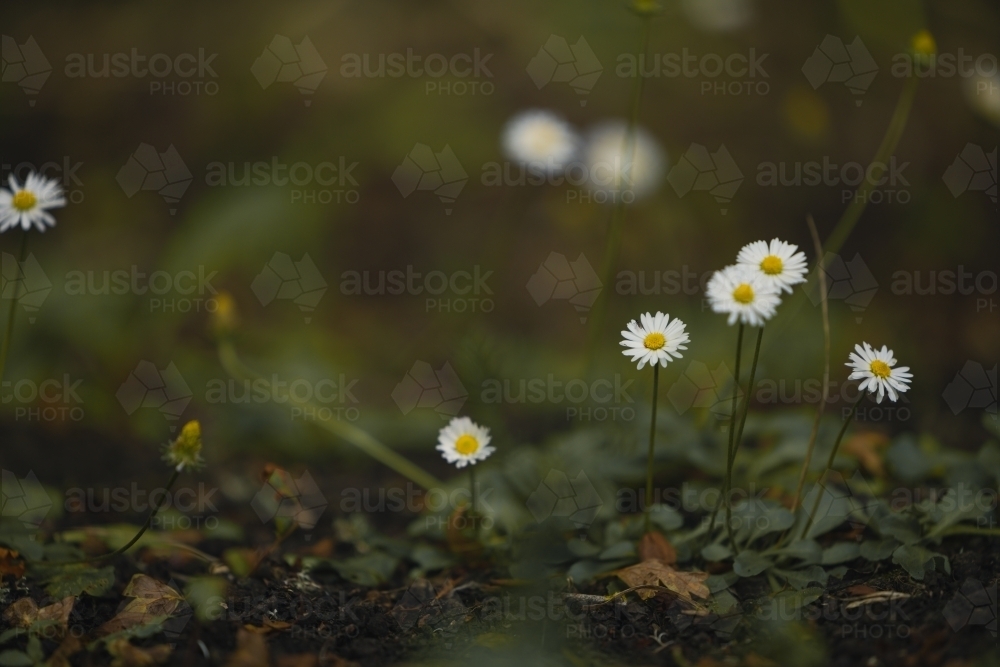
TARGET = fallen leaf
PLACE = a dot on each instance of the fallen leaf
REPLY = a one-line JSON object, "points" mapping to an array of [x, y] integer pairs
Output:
{"points": [[152, 600], [251, 650], [69, 647], [657, 573], [126, 654], [9, 563], [22, 613], [654, 546], [299, 660]]}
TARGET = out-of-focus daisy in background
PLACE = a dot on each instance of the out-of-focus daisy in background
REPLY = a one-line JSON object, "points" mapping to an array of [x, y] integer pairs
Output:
{"points": [[609, 169], [875, 369], [28, 205], [541, 139], [777, 262], [718, 15], [744, 294]]}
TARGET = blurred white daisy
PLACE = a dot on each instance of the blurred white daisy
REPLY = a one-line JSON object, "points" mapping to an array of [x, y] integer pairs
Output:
{"points": [[656, 341], [27, 206], [608, 168], [718, 15], [983, 95], [463, 442], [540, 138], [875, 369], [743, 293], [778, 262]]}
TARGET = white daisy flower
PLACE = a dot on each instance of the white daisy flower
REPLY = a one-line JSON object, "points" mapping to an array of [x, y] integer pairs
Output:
{"points": [[540, 138], [875, 369], [463, 441], [744, 294], [778, 262], [27, 206], [606, 160], [656, 341]]}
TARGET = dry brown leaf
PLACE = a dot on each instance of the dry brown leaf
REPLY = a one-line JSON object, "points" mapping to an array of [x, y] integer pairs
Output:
{"points": [[10, 564], [69, 647], [299, 660], [251, 650], [654, 546], [22, 613], [657, 573], [126, 654], [865, 447], [151, 599]]}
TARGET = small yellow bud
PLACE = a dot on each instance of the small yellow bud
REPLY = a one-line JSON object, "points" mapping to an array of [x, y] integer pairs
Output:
{"points": [[224, 319], [646, 7], [923, 44], [185, 451]]}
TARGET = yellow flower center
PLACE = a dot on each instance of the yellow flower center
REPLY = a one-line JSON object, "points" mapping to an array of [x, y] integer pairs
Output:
{"points": [[24, 200], [743, 294], [772, 265], [880, 369], [654, 341], [466, 445]]}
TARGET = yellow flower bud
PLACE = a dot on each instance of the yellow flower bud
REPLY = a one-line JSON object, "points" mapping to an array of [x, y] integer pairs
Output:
{"points": [[225, 318], [923, 43], [185, 451]]}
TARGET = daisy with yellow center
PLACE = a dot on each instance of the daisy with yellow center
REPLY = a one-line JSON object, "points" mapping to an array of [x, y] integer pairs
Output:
{"points": [[777, 262], [656, 340], [747, 296], [542, 140], [464, 442], [28, 206], [877, 372]]}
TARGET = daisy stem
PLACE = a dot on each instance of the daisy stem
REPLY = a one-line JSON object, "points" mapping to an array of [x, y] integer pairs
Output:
{"points": [[472, 487], [652, 441], [829, 462], [735, 446], [724, 496], [612, 246], [12, 311]]}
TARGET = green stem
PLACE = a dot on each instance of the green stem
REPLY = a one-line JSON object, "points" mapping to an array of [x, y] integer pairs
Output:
{"points": [[829, 463], [972, 530], [724, 497], [652, 444], [746, 403], [348, 432], [612, 246], [12, 311]]}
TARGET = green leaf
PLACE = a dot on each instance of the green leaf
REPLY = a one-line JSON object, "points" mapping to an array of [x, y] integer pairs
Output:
{"points": [[876, 550], [749, 563], [716, 552], [623, 549], [15, 659], [776, 519], [807, 551], [913, 559], [77, 579], [840, 552], [585, 570], [369, 570], [666, 517], [7, 635], [720, 582], [904, 529], [800, 579]]}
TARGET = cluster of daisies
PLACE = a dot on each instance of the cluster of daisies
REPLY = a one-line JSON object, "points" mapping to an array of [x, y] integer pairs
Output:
{"points": [[28, 205], [545, 142]]}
